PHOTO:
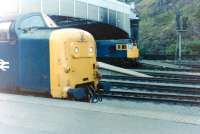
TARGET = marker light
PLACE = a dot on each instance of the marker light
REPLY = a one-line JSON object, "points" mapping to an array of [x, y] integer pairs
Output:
{"points": [[91, 49], [76, 49]]}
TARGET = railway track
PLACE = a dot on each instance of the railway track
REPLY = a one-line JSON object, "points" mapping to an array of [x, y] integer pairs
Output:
{"points": [[173, 90], [193, 65], [178, 80], [171, 74], [152, 97], [188, 67]]}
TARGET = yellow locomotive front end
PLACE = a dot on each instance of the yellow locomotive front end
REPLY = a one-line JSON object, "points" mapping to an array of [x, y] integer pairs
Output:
{"points": [[132, 51], [128, 52], [73, 66]]}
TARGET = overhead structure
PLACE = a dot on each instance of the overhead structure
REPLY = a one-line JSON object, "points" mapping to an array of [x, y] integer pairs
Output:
{"points": [[107, 11]]}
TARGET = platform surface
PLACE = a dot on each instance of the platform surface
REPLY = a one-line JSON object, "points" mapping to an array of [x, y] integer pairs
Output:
{"points": [[36, 115]]}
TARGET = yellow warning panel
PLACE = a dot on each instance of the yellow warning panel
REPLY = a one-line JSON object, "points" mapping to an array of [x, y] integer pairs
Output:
{"points": [[72, 61]]}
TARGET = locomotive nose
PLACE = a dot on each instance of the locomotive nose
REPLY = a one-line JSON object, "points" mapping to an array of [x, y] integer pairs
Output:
{"points": [[72, 61]]}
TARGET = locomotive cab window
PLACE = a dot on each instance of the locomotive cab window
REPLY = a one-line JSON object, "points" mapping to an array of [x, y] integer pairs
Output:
{"points": [[33, 21], [5, 31]]}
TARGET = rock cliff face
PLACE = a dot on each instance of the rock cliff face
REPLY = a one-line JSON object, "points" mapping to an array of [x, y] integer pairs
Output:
{"points": [[158, 26]]}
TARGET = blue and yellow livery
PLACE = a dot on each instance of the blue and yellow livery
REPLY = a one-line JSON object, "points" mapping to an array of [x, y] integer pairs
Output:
{"points": [[37, 55], [121, 52]]}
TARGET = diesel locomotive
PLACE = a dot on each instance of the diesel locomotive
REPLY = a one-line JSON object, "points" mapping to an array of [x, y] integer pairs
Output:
{"points": [[38, 56], [121, 52]]}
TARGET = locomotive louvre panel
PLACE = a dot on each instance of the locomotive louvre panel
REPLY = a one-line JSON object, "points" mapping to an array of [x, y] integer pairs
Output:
{"points": [[92, 12], [30, 6], [103, 15], [67, 7], [51, 6], [80, 9]]}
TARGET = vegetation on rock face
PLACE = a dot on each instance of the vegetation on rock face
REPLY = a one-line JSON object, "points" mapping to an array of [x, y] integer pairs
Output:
{"points": [[158, 26]]}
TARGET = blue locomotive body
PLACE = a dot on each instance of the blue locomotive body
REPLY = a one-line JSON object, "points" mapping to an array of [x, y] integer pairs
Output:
{"points": [[108, 49], [34, 70], [8, 65], [122, 52], [24, 55]]}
